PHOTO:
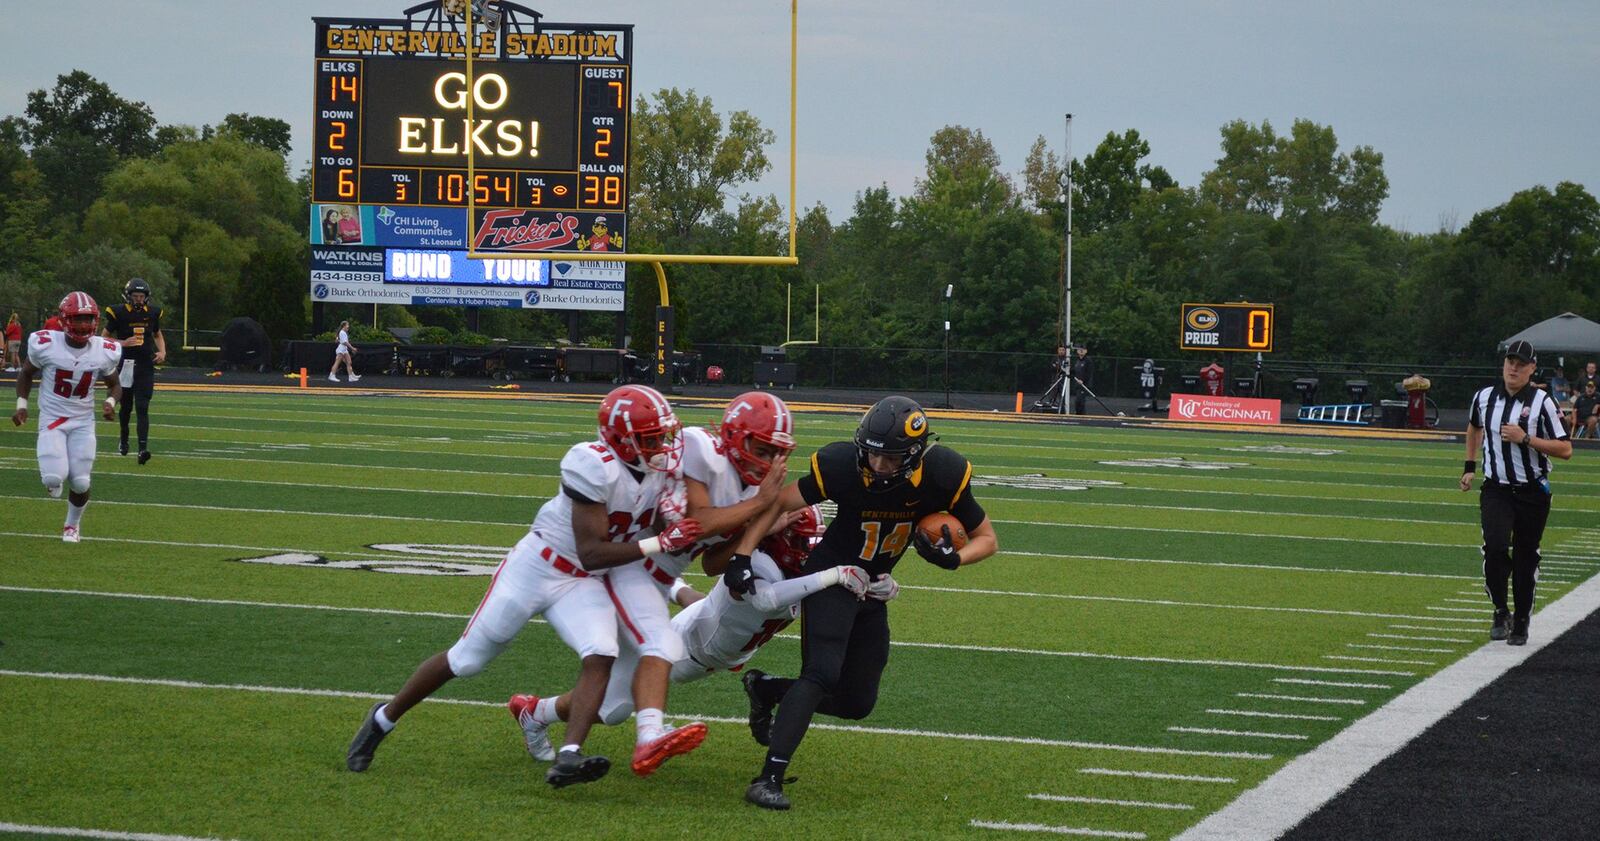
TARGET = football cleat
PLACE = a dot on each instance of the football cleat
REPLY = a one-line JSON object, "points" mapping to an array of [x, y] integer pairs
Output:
{"points": [[366, 741], [760, 711], [573, 767], [1502, 625], [69, 534], [674, 741], [1519, 632], [767, 793], [144, 456], [535, 735], [122, 448]]}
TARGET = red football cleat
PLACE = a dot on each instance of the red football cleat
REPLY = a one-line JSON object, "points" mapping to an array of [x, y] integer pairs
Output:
{"points": [[648, 756]]}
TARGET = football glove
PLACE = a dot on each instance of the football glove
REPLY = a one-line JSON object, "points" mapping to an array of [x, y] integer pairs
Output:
{"points": [[680, 535], [739, 578], [884, 588], [942, 554], [855, 580]]}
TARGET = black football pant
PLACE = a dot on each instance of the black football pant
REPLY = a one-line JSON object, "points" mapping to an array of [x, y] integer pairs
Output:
{"points": [[844, 647], [144, 385], [1512, 515]]}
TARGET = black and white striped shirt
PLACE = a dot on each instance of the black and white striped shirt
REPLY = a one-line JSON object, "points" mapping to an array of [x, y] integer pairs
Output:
{"points": [[1532, 409]]}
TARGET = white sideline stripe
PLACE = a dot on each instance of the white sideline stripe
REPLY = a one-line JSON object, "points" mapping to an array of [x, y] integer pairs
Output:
{"points": [[1156, 775], [1211, 731], [498, 705], [1300, 681], [1162, 602], [1057, 830], [77, 832], [1477, 601], [1376, 660], [1418, 638], [1454, 609], [1263, 714], [1435, 629], [1307, 699], [1101, 801], [1303, 785], [1234, 565], [1380, 647], [985, 649]]}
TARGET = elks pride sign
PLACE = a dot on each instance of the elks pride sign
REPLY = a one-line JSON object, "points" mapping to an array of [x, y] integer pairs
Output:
{"points": [[1204, 407]]}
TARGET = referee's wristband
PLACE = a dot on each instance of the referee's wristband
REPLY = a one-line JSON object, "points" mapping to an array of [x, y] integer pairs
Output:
{"points": [[1469, 466]]}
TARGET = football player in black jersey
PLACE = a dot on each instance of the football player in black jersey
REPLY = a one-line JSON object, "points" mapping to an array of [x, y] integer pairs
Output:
{"points": [[888, 478], [137, 324]]}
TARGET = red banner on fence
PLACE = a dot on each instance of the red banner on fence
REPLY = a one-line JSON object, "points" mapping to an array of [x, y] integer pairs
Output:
{"points": [[1204, 407]]}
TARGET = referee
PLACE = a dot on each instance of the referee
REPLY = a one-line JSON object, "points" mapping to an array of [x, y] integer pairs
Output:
{"points": [[1519, 429]]}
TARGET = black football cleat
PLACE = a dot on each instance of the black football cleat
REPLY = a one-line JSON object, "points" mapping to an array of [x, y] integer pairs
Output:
{"points": [[144, 456], [767, 793], [366, 741], [760, 711], [1519, 632], [1502, 625], [122, 448], [573, 767]]}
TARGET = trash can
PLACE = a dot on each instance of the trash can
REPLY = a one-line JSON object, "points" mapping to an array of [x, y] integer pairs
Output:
{"points": [[1393, 414]]}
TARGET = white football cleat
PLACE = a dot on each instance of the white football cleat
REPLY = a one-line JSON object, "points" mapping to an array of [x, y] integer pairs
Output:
{"points": [[69, 534], [534, 734]]}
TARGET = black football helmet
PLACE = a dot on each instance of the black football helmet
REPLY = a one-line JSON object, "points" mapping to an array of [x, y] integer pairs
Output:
{"points": [[894, 426], [136, 285]]}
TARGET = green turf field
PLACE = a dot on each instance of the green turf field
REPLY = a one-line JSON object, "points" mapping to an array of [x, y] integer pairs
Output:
{"points": [[1140, 652]]}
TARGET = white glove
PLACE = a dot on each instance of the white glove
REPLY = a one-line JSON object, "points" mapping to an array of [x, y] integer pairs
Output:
{"points": [[855, 580], [884, 588]]}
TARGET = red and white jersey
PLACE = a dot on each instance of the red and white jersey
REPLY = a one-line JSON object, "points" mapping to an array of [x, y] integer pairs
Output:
{"points": [[722, 632], [592, 471], [67, 373], [704, 462]]}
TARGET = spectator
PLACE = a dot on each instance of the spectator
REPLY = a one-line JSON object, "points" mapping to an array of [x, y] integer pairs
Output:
{"points": [[1588, 376], [1586, 411], [13, 343], [54, 323], [342, 353], [1082, 373]]}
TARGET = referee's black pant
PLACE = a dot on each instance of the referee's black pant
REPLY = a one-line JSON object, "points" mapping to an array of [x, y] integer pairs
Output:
{"points": [[844, 647], [1512, 515]]}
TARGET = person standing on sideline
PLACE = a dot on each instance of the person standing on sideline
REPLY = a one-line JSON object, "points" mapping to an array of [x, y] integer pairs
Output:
{"points": [[1519, 429], [13, 343], [137, 324], [1082, 373], [341, 353]]}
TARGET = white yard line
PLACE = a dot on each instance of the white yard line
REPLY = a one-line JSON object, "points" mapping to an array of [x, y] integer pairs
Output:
{"points": [[1380, 647], [1418, 638], [1254, 734], [1353, 659], [1102, 801], [1156, 775], [1264, 714], [1433, 628], [79, 832], [1057, 830], [1307, 699], [1300, 681], [1306, 783], [500, 705]]}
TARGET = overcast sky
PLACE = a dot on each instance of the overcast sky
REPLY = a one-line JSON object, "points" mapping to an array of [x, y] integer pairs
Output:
{"points": [[1468, 101]]}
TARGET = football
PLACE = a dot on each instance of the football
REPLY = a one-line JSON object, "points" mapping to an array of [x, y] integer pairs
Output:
{"points": [[931, 528]]}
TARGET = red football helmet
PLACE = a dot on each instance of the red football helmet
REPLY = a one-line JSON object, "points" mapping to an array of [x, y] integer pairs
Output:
{"points": [[80, 316], [637, 423], [790, 547], [755, 416]]}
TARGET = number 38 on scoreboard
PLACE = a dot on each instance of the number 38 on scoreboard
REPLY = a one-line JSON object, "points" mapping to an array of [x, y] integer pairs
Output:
{"points": [[1226, 327]]}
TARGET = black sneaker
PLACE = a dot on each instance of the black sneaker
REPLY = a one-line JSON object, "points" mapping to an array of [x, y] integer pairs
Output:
{"points": [[1501, 626], [366, 741], [1519, 632], [760, 711], [144, 456], [122, 448], [573, 767], [767, 793]]}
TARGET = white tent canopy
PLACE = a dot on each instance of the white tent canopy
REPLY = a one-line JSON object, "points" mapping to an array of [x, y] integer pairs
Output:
{"points": [[1567, 333]]}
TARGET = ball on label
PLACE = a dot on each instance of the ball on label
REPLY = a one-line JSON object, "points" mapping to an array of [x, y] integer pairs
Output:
{"points": [[931, 528]]}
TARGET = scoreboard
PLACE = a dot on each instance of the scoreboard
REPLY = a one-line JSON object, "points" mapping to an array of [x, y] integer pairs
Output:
{"points": [[548, 132], [1226, 327]]}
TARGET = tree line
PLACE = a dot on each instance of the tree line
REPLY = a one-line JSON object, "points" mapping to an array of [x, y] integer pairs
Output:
{"points": [[93, 190]]}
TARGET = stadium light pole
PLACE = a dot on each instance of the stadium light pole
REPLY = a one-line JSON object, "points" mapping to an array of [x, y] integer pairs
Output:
{"points": [[1066, 286]]}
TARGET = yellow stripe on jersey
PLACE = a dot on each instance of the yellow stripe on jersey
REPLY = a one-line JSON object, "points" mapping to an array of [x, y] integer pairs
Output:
{"points": [[967, 477], [816, 473]]}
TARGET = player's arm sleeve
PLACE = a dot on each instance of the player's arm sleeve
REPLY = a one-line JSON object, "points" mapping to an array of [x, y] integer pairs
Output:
{"points": [[773, 591], [813, 488], [583, 475], [963, 505]]}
